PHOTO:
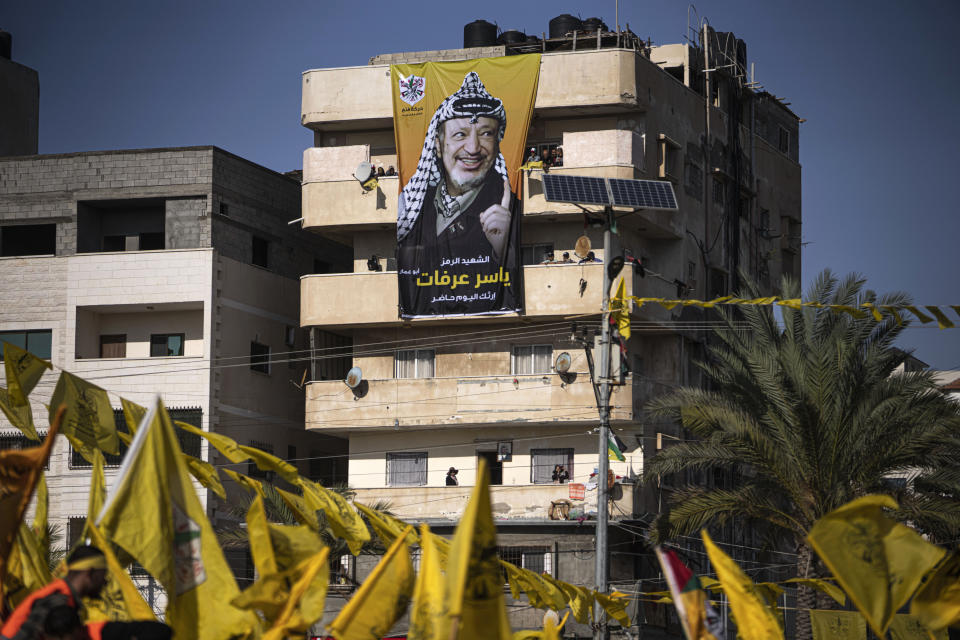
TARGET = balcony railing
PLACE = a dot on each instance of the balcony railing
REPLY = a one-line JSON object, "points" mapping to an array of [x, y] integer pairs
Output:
{"points": [[475, 400]]}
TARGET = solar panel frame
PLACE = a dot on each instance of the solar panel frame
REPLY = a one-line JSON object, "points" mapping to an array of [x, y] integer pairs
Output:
{"points": [[558, 187], [643, 194]]}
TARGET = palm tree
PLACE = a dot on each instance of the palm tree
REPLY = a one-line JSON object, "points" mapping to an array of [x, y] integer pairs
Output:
{"points": [[811, 412]]}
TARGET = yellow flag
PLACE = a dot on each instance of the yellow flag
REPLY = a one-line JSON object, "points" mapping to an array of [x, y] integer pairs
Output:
{"points": [[292, 543], [305, 604], [824, 586], [258, 533], [19, 416], [427, 609], [474, 590], [301, 511], [551, 630], [381, 600], [248, 483], [877, 561], [620, 310], [98, 489], [343, 520], [540, 593], [615, 605], [28, 566], [291, 599], [206, 474], [120, 599], [755, 621], [89, 416], [153, 513], [908, 627], [19, 472], [269, 462], [937, 603], [580, 599], [40, 515], [385, 526], [837, 625], [24, 371], [132, 414], [225, 445]]}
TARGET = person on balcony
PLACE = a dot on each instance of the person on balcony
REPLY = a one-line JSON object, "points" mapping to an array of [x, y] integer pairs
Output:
{"points": [[452, 477]]}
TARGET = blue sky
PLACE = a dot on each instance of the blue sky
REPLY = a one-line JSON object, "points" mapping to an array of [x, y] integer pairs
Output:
{"points": [[874, 81]]}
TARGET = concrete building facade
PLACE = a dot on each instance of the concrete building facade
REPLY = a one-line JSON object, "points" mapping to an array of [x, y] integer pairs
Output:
{"points": [[20, 106], [481, 386], [170, 272]]}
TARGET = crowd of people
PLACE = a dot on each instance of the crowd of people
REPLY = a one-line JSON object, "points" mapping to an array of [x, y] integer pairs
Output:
{"points": [[551, 157]]}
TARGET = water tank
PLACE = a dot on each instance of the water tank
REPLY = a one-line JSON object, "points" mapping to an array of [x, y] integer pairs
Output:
{"points": [[564, 24], [532, 39], [590, 25], [479, 33], [512, 36], [6, 44]]}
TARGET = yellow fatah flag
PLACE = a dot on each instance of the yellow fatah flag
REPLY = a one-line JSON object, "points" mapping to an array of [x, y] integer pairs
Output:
{"points": [[269, 462], [40, 514], [908, 627], [19, 416], [580, 599], [343, 520], [300, 510], [28, 565], [206, 474], [258, 533], [823, 586], [120, 598], [427, 609], [89, 416], [385, 526], [98, 489], [153, 513], [620, 310], [132, 414], [837, 625], [225, 445], [937, 603], [19, 472], [248, 483], [305, 604], [877, 561], [615, 605], [540, 593], [474, 590], [381, 600], [24, 371], [292, 543], [755, 621]]}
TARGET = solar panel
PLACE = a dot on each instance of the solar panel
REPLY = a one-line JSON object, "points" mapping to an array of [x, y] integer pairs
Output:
{"points": [[578, 189], [643, 194]]}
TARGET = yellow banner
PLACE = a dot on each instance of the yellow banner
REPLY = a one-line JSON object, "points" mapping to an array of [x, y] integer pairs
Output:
{"points": [[837, 625]]}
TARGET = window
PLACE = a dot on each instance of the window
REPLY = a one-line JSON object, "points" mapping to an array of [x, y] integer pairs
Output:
{"points": [[28, 240], [343, 571], [719, 193], [718, 283], [224, 209], [290, 336], [145, 241], [784, 142], [536, 559], [75, 526], [38, 342], [252, 469], [765, 229], [261, 252], [542, 462], [408, 469], [670, 158], [259, 357], [535, 253], [18, 442], [414, 363], [291, 454], [189, 442], [114, 346], [163, 345], [530, 359]]}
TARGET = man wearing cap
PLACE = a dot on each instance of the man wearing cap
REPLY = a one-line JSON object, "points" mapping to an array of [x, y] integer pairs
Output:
{"points": [[452, 477], [86, 575], [455, 210]]}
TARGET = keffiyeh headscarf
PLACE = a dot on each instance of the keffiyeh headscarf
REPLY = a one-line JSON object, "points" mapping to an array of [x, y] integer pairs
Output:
{"points": [[470, 101]]}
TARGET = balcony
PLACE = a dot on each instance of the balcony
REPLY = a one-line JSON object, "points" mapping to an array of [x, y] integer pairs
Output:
{"points": [[603, 80], [469, 401]]}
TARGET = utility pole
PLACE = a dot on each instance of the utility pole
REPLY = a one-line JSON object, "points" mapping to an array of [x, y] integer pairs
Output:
{"points": [[603, 548]]}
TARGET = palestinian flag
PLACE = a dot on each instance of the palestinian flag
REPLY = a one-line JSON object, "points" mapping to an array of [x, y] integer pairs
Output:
{"points": [[614, 448], [699, 620]]}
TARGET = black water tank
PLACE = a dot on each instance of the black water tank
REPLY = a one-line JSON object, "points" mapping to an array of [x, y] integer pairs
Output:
{"points": [[512, 36], [532, 39], [6, 44], [479, 33], [564, 24], [590, 25]]}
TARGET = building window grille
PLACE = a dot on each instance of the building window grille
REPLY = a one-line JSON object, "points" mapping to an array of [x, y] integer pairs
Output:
{"points": [[39, 342], [784, 142], [530, 359], [414, 363], [719, 194], [19, 442], [543, 461], [536, 559], [259, 357], [407, 469], [165, 345], [189, 442]]}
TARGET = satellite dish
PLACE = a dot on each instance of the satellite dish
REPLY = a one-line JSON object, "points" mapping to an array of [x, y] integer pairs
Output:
{"points": [[583, 247], [354, 378], [363, 172], [563, 362]]}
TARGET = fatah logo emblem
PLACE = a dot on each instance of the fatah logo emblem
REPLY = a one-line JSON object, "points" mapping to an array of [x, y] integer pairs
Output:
{"points": [[412, 89], [187, 552]]}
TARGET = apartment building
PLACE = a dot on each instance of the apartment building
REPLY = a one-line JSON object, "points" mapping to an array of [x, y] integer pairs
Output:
{"points": [[441, 393], [20, 107], [169, 272]]}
